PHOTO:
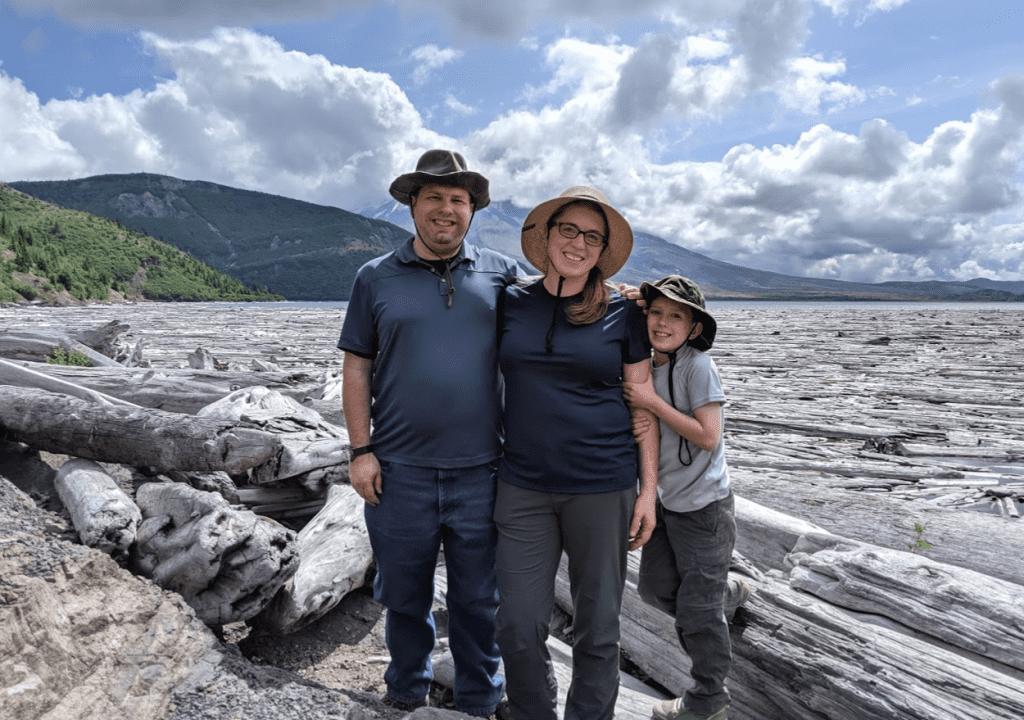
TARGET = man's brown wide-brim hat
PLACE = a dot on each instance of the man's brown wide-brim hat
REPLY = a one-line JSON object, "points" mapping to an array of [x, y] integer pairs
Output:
{"points": [[442, 167]]}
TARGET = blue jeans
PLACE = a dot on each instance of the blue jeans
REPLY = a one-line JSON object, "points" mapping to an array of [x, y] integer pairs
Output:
{"points": [[421, 508], [684, 570]]}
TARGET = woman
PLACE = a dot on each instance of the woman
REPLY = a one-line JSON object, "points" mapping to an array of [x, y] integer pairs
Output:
{"points": [[568, 476]]}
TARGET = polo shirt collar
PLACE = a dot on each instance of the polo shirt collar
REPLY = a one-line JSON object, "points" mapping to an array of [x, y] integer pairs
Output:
{"points": [[407, 254]]}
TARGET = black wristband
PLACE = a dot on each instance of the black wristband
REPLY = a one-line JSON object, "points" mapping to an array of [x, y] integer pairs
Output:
{"points": [[356, 452]]}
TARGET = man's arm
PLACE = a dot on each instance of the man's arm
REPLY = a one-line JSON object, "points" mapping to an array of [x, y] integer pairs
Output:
{"points": [[644, 517], [364, 471]]}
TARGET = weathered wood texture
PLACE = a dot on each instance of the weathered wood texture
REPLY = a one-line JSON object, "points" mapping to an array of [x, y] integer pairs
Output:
{"points": [[226, 563], [962, 608], [42, 378], [104, 516], [978, 541], [334, 557], [171, 389], [138, 437], [314, 453], [37, 344]]}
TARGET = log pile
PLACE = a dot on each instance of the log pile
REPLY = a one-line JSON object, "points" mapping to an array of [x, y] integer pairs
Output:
{"points": [[880, 488]]}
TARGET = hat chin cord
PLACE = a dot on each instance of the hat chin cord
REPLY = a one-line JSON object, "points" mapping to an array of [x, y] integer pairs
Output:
{"points": [[549, 341]]}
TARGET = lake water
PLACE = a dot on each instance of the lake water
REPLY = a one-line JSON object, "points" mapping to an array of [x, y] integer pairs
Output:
{"points": [[811, 305]]}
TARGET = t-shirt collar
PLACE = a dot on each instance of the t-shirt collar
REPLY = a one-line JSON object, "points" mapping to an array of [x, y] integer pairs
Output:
{"points": [[407, 254]]}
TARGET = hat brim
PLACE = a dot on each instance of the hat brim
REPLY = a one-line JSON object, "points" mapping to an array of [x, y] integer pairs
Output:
{"points": [[405, 186], [709, 329], [535, 236]]}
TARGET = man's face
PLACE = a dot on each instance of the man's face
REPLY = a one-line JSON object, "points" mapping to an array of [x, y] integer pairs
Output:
{"points": [[441, 214]]}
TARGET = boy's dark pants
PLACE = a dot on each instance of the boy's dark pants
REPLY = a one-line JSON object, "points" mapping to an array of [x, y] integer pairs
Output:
{"points": [[684, 570]]}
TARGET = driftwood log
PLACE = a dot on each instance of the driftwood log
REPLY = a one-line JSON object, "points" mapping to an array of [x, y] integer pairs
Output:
{"points": [[334, 557], [226, 563], [978, 541], [173, 389], [314, 454], [12, 373], [139, 437], [104, 516], [964, 609], [24, 344]]}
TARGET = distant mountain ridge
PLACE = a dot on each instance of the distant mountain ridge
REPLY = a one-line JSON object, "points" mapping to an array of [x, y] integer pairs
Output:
{"points": [[312, 252], [297, 249]]}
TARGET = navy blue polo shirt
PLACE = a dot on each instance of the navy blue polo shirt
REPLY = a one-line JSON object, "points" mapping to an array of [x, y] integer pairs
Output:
{"points": [[435, 387], [567, 427]]}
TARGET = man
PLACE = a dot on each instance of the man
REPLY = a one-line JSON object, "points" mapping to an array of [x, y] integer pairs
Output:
{"points": [[420, 342]]}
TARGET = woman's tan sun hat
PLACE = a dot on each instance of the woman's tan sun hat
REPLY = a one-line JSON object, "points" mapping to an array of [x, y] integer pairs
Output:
{"points": [[535, 231]]}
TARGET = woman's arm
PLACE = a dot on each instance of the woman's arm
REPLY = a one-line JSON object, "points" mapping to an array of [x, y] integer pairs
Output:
{"points": [[704, 429], [643, 510]]}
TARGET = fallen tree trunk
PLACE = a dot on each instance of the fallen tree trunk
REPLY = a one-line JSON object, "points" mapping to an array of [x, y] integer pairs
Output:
{"points": [[962, 608], [12, 373], [38, 345], [104, 516], [334, 557], [313, 454], [977, 541], [810, 660], [139, 437], [180, 390], [226, 563]]}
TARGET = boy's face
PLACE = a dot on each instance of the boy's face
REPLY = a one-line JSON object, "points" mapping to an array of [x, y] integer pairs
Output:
{"points": [[670, 324]]}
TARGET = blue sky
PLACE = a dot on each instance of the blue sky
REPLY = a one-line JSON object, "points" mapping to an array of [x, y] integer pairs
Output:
{"points": [[862, 140]]}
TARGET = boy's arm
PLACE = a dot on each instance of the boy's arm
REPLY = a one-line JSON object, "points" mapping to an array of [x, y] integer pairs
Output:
{"points": [[644, 517], [704, 429]]}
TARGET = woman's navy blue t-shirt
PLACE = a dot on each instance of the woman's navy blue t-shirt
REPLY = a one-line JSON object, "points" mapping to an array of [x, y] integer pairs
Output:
{"points": [[567, 428]]}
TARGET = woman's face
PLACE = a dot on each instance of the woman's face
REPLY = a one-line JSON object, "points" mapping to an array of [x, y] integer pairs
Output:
{"points": [[573, 258]]}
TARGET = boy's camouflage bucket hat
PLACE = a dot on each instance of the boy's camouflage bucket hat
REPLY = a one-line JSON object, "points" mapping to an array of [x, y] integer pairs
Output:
{"points": [[685, 291]]}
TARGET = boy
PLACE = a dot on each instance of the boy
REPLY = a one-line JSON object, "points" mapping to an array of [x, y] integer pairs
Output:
{"points": [[684, 566]]}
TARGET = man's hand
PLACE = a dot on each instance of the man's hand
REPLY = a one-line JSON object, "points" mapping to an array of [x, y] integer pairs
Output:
{"points": [[644, 520], [632, 293], [364, 474]]}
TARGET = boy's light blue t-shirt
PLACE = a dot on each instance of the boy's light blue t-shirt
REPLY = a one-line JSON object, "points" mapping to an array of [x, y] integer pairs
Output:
{"points": [[686, 488]]}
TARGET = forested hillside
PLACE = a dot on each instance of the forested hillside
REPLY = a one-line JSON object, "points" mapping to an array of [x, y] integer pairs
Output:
{"points": [[298, 249], [57, 254]]}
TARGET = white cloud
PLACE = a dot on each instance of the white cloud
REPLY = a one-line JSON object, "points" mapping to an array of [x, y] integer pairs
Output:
{"points": [[239, 110], [430, 58], [460, 108]]}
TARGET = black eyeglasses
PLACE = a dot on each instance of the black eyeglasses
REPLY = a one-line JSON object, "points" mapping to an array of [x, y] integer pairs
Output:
{"points": [[569, 231]]}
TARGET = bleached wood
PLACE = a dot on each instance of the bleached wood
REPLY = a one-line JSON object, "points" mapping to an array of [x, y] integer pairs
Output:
{"points": [[225, 562], [25, 344], [134, 436], [334, 557], [13, 373], [102, 513], [963, 608]]}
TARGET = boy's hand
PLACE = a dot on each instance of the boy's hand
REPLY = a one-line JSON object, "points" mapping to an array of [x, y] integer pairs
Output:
{"points": [[641, 395], [641, 424]]}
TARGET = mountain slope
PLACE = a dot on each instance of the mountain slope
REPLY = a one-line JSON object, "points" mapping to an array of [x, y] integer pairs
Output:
{"points": [[54, 253], [300, 250], [312, 252]]}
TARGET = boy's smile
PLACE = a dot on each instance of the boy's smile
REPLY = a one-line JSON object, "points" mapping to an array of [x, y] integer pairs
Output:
{"points": [[669, 325]]}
